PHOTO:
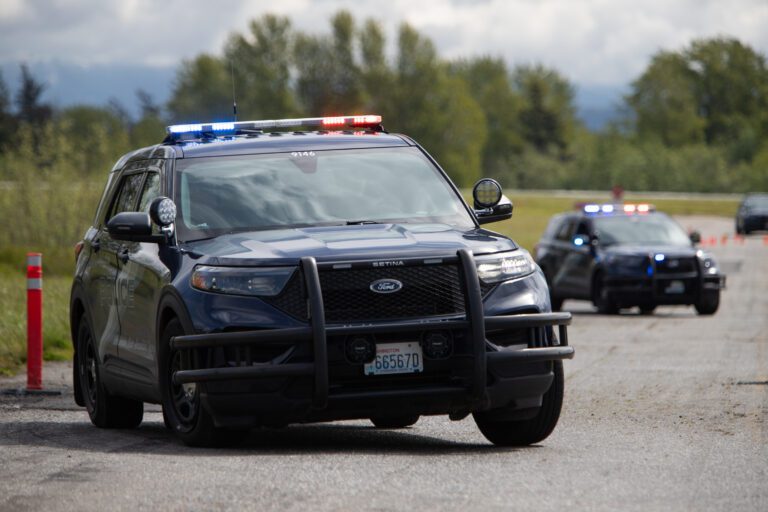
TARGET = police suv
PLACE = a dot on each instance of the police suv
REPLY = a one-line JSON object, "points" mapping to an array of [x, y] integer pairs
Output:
{"points": [[625, 255], [263, 273]]}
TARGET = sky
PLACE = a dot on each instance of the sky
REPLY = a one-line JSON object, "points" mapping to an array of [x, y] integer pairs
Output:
{"points": [[596, 44]]}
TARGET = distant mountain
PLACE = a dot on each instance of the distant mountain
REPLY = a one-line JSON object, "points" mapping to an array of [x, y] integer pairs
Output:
{"points": [[70, 84], [598, 105]]}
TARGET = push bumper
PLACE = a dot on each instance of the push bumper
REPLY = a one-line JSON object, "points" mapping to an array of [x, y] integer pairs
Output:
{"points": [[491, 380]]}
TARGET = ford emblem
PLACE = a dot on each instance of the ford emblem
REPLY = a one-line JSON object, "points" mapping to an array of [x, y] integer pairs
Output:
{"points": [[386, 286]]}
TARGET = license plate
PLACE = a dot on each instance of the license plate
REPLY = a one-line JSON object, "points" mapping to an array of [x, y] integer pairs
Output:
{"points": [[405, 357], [675, 287]]}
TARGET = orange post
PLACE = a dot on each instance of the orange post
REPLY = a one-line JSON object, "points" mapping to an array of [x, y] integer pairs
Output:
{"points": [[34, 321]]}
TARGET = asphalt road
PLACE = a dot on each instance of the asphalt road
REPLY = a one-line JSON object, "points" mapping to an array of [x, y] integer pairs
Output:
{"points": [[667, 412]]}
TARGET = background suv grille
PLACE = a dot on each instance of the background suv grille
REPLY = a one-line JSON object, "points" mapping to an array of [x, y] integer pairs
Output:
{"points": [[675, 265]]}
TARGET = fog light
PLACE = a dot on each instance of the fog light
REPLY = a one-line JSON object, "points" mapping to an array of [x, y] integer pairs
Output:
{"points": [[360, 349], [438, 344]]}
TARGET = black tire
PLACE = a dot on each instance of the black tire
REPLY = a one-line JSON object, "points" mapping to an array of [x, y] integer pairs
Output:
{"points": [[556, 302], [395, 421], [647, 310], [182, 411], [708, 303], [601, 299], [739, 229], [530, 431], [104, 409]]}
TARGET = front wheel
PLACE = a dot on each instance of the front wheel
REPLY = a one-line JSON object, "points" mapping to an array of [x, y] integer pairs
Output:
{"points": [[182, 411], [601, 299], [105, 410], [530, 431], [708, 303]]}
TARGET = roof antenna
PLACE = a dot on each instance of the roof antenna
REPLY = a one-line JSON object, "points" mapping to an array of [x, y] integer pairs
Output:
{"points": [[234, 99]]}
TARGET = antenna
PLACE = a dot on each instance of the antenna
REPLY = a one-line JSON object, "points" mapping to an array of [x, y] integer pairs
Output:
{"points": [[234, 98]]}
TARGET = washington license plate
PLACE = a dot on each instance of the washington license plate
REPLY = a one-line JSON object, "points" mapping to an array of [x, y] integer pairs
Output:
{"points": [[675, 287], [405, 357]]}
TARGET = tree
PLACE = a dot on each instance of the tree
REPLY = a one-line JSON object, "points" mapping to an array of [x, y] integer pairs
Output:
{"points": [[548, 117], [7, 120], [28, 100], [328, 77], [202, 92], [261, 63], [715, 91]]}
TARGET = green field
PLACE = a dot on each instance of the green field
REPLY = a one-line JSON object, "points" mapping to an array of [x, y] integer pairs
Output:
{"points": [[532, 212]]}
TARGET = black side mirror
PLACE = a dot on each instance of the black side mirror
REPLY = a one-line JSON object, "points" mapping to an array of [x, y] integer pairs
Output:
{"points": [[490, 205], [695, 237], [132, 227]]}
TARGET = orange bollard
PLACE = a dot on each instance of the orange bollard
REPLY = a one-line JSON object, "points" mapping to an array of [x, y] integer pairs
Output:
{"points": [[712, 241], [34, 321], [724, 240], [765, 239]]}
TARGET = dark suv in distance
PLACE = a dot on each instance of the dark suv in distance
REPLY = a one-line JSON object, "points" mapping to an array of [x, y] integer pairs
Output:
{"points": [[626, 255], [752, 214], [264, 273]]}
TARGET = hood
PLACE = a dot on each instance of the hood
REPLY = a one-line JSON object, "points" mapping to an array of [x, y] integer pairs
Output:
{"points": [[674, 251], [345, 243]]}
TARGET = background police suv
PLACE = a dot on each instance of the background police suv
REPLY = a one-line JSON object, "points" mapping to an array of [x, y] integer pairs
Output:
{"points": [[624, 255]]}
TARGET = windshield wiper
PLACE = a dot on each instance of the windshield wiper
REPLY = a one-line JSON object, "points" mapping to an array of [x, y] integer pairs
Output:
{"points": [[361, 222]]}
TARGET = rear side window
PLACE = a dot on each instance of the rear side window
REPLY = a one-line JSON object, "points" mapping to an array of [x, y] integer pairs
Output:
{"points": [[564, 230]]}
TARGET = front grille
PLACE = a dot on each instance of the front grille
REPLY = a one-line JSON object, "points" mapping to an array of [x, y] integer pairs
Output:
{"points": [[431, 290], [428, 290], [676, 265]]}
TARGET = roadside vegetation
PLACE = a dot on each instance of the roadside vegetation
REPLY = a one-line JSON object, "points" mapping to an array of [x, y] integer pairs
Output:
{"points": [[696, 121]]}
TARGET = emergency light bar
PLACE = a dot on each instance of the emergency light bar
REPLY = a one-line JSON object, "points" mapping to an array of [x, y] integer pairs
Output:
{"points": [[611, 208], [176, 131]]}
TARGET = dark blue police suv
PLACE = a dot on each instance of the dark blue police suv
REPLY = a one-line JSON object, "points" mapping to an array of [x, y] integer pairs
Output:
{"points": [[264, 273], [626, 255]]}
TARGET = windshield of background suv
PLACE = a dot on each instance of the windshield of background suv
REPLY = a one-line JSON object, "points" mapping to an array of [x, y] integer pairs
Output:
{"points": [[217, 195], [756, 201], [652, 229]]}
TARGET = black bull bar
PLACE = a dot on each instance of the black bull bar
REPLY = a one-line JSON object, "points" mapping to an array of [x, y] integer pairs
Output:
{"points": [[474, 322]]}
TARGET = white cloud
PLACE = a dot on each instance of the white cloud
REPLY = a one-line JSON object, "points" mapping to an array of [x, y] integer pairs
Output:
{"points": [[589, 41]]}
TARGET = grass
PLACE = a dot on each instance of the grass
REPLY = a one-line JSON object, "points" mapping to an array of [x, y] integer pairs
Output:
{"points": [[532, 213]]}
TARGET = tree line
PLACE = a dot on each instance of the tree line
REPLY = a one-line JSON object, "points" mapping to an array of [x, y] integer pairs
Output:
{"points": [[695, 120]]}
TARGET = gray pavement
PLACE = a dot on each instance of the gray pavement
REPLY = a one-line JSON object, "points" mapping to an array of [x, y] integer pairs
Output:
{"points": [[662, 412]]}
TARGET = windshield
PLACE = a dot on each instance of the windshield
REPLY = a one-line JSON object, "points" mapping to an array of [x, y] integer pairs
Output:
{"points": [[218, 195], [652, 229], [756, 201]]}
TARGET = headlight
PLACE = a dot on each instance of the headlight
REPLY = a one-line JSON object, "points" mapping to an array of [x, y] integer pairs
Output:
{"points": [[708, 263], [261, 281], [495, 268]]}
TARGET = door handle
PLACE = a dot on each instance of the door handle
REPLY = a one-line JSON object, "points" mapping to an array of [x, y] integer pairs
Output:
{"points": [[124, 255]]}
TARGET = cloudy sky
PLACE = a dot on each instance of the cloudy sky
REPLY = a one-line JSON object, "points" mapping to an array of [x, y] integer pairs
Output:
{"points": [[591, 42]]}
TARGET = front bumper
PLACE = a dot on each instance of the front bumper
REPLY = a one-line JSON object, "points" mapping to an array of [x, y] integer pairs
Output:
{"points": [[484, 375], [683, 288]]}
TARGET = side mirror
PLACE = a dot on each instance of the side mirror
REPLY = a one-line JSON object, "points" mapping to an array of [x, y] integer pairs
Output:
{"points": [[695, 237], [130, 226], [490, 205]]}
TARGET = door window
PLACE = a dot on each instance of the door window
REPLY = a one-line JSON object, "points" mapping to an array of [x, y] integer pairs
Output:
{"points": [[127, 194], [150, 191]]}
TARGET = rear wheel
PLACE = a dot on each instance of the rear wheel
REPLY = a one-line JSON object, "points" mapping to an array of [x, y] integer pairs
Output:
{"points": [[394, 421], [182, 411], [104, 409], [529, 431], [708, 303], [647, 310]]}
